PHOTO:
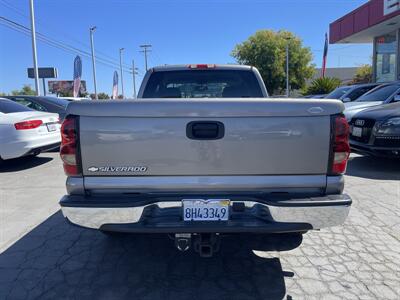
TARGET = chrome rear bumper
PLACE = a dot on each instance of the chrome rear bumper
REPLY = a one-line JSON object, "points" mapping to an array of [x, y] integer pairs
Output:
{"points": [[164, 215]]}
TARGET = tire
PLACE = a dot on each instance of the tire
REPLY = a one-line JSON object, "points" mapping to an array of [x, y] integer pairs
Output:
{"points": [[302, 232], [34, 154]]}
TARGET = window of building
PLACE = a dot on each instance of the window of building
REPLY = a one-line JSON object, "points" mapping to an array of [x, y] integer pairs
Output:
{"points": [[385, 65]]}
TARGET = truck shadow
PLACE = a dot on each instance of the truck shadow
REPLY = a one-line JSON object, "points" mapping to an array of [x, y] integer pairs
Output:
{"points": [[23, 163], [58, 261], [374, 168]]}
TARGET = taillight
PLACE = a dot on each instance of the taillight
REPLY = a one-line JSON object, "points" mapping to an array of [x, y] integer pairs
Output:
{"points": [[201, 66], [32, 124], [340, 144], [69, 146]]}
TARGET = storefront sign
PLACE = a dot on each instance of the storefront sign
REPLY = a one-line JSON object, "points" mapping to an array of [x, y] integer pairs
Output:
{"points": [[390, 6], [65, 87], [43, 73]]}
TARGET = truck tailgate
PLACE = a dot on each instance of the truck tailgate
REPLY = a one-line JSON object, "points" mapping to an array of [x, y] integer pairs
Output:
{"points": [[150, 137]]}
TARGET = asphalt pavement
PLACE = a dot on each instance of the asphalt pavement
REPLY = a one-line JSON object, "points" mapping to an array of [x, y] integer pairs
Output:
{"points": [[43, 257]]}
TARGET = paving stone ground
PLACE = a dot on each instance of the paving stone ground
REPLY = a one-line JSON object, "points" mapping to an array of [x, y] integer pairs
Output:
{"points": [[43, 257]]}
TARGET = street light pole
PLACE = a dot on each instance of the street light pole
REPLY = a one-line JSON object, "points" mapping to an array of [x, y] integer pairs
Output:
{"points": [[44, 86], [91, 30], [134, 78], [287, 70], [120, 66], [35, 63]]}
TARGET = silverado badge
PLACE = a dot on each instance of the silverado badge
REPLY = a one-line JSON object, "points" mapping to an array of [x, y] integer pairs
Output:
{"points": [[134, 169]]}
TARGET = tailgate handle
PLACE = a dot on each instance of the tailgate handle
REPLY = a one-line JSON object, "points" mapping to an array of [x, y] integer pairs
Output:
{"points": [[205, 130]]}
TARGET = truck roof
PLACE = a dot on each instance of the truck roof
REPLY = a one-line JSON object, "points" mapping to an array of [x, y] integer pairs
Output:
{"points": [[194, 66]]}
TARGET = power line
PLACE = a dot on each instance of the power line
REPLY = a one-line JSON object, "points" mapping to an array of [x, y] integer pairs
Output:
{"points": [[155, 57], [57, 44], [50, 42], [19, 12]]}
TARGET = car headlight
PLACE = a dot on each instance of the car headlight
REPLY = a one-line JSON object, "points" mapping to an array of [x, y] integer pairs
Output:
{"points": [[390, 127]]}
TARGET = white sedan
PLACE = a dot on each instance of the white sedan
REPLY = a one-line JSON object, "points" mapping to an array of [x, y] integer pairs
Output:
{"points": [[26, 132]]}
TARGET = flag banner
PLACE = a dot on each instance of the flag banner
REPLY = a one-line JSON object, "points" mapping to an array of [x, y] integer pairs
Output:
{"points": [[115, 86], [77, 75], [324, 59]]}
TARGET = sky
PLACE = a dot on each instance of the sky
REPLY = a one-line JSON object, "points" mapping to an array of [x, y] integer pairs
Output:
{"points": [[180, 32]]}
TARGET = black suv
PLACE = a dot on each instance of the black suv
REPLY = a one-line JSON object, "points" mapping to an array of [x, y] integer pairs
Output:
{"points": [[376, 131]]}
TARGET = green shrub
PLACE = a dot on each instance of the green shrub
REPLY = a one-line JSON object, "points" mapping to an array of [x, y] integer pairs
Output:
{"points": [[363, 75], [322, 86]]}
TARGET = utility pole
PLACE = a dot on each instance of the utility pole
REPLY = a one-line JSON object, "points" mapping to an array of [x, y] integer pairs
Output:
{"points": [[287, 70], [120, 66], [91, 30], [145, 50], [134, 78], [35, 63]]}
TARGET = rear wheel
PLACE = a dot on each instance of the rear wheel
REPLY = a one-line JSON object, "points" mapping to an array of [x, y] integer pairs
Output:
{"points": [[302, 232], [34, 154]]}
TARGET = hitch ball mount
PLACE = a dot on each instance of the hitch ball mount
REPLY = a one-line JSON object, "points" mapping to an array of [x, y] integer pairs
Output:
{"points": [[206, 244]]}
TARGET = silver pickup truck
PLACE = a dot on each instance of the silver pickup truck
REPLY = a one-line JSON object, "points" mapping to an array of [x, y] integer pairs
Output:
{"points": [[204, 152]]}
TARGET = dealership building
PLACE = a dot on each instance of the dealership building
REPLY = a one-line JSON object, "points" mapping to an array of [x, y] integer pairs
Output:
{"points": [[376, 22]]}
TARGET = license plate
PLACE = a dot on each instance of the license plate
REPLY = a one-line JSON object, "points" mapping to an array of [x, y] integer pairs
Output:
{"points": [[205, 210], [51, 127], [357, 131]]}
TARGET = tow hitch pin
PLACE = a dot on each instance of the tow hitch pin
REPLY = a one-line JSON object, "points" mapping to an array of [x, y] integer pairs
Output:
{"points": [[183, 241]]}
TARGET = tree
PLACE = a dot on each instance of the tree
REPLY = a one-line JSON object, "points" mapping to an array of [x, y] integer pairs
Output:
{"points": [[3, 94], [26, 90], [65, 93], [70, 93], [84, 94], [363, 75], [266, 50], [102, 96], [322, 86]]}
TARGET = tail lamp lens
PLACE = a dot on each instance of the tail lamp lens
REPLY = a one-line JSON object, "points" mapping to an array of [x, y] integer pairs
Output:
{"points": [[32, 124], [69, 145], [341, 147]]}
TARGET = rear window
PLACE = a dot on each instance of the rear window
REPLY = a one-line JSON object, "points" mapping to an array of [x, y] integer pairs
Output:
{"points": [[381, 93], [337, 93], [8, 106], [57, 101], [202, 84], [358, 92]]}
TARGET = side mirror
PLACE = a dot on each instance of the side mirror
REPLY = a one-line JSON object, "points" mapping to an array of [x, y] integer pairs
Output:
{"points": [[347, 99], [396, 98]]}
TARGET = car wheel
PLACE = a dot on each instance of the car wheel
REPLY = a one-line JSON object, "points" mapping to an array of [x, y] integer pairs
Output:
{"points": [[34, 154]]}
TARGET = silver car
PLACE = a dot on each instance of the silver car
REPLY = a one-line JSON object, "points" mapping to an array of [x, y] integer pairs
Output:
{"points": [[383, 94]]}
